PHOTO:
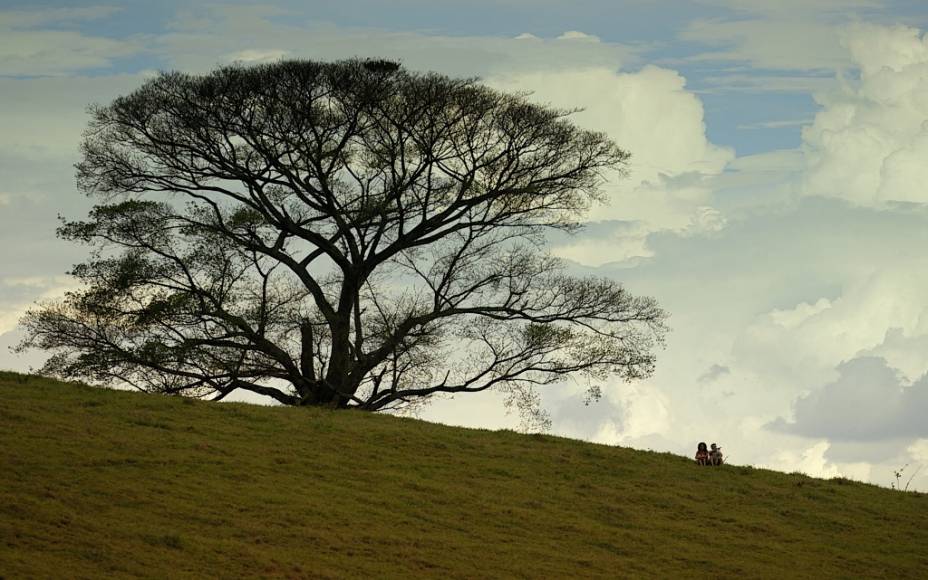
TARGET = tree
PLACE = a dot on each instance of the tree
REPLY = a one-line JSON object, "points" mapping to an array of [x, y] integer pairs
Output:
{"points": [[343, 234]]}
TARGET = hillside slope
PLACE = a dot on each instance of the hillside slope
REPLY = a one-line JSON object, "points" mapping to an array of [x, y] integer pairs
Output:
{"points": [[98, 483]]}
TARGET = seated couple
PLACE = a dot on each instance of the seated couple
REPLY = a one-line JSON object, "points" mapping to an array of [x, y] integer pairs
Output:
{"points": [[708, 457]]}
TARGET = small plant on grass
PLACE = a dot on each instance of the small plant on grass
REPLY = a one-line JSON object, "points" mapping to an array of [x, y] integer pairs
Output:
{"points": [[898, 473]]}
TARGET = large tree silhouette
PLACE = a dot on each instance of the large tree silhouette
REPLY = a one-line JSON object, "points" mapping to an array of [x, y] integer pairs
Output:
{"points": [[344, 234]]}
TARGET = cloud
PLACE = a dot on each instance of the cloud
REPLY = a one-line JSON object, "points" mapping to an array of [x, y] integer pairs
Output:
{"points": [[42, 118], [203, 36], [28, 49], [484, 411], [776, 124], [627, 413], [713, 373], [579, 418], [881, 310], [18, 294], [40, 129], [254, 56], [813, 461], [762, 42], [619, 242], [918, 451], [577, 35], [57, 16], [650, 113], [792, 7], [877, 125], [794, 35], [868, 402], [905, 348], [875, 48], [20, 362], [755, 82]]}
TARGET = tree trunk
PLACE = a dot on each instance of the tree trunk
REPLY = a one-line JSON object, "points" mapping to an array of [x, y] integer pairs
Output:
{"points": [[307, 346], [335, 388]]}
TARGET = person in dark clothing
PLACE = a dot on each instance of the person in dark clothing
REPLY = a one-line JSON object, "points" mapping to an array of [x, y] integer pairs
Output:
{"points": [[702, 454]]}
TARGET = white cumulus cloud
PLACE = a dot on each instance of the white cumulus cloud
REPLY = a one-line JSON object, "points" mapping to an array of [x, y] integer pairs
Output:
{"points": [[869, 142], [884, 312], [651, 114]]}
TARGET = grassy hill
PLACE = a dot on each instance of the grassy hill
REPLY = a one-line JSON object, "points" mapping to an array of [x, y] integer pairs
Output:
{"points": [[97, 483]]}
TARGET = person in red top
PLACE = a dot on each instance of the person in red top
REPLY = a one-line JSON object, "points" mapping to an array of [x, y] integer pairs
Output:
{"points": [[702, 454]]}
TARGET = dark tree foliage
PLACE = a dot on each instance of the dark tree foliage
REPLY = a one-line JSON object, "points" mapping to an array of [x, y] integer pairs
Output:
{"points": [[343, 234]]}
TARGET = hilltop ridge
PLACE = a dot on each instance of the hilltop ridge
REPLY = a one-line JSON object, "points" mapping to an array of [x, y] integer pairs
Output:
{"points": [[97, 483]]}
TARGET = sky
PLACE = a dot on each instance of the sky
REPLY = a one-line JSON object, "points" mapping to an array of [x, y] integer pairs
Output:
{"points": [[776, 203]]}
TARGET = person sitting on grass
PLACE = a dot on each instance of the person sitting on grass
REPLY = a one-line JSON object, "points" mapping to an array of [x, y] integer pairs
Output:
{"points": [[702, 454], [715, 456]]}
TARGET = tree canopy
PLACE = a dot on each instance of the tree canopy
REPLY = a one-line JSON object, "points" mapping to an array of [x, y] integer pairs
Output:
{"points": [[347, 234]]}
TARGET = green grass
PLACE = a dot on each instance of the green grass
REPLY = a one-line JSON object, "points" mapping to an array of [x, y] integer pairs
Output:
{"points": [[97, 483]]}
